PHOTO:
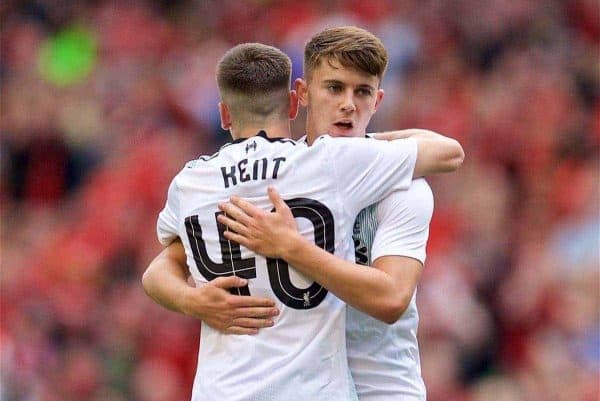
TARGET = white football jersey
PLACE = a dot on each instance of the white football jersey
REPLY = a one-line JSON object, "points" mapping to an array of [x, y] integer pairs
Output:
{"points": [[326, 185], [384, 359]]}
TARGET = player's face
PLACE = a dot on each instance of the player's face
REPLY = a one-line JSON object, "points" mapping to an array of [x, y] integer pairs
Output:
{"points": [[340, 101]]}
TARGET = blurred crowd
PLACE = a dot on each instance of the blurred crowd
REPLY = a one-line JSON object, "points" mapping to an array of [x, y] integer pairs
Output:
{"points": [[102, 102]]}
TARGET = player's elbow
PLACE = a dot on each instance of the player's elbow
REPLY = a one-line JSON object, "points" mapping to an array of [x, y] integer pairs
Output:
{"points": [[150, 279], [458, 156], [438, 155], [147, 281], [394, 308], [454, 155]]}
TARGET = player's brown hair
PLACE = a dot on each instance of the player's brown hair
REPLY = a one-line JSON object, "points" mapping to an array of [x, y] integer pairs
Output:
{"points": [[351, 46], [254, 80]]}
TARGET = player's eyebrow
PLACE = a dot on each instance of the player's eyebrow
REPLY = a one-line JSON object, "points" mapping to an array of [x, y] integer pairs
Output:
{"points": [[332, 81], [367, 86], [338, 82]]}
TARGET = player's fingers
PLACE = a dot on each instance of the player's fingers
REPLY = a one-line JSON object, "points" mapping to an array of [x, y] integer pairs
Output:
{"points": [[240, 330], [246, 206], [228, 282], [253, 323], [233, 225], [251, 301], [280, 205], [276, 199], [256, 312], [234, 212], [240, 239]]}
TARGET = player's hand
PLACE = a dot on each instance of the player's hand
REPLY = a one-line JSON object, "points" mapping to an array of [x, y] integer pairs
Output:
{"points": [[266, 233], [230, 314]]}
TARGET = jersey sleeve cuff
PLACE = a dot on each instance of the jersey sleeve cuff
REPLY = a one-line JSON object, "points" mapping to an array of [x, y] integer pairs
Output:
{"points": [[418, 255]]}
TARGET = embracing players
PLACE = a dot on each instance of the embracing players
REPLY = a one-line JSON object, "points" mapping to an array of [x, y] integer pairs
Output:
{"points": [[342, 93]]}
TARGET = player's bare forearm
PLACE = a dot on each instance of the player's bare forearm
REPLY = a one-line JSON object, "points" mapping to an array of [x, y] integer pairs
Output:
{"points": [[379, 294], [165, 281], [405, 133], [374, 291], [436, 153]]}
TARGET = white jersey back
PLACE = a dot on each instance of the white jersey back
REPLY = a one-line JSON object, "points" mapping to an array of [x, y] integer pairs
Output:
{"points": [[304, 355], [384, 359]]}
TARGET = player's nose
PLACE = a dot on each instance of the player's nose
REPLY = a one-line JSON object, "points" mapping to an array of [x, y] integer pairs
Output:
{"points": [[348, 105]]}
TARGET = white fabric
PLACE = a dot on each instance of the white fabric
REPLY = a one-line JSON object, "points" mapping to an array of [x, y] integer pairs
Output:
{"points": [[384, 359], [303, 356]]}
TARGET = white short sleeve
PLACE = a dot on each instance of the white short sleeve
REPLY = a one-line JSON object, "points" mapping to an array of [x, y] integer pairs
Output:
{"points": [[166, 226], [403, 222], [367, 169]]}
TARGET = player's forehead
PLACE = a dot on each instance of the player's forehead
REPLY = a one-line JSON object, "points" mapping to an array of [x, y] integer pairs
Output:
{"points": [[331, 70]]}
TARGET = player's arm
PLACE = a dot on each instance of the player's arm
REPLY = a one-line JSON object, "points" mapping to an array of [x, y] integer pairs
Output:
{"points": [[435, 153], [380, 292], [383, 292], [165, 281], [166, 278], [399, 246], [405, 273], [366, 171]]}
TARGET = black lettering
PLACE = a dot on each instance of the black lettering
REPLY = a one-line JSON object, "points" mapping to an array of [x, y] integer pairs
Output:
{"points": [[233, 264], [277, 160], [255, 168], [279, 273], [242, 166], [228, 176]]}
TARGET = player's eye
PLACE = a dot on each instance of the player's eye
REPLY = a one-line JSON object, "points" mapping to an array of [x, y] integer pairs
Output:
{"points": [[333, 88], [364, 92]]}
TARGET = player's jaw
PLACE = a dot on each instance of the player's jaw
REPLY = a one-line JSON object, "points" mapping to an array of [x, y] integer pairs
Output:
{"points": [[326, 116]]}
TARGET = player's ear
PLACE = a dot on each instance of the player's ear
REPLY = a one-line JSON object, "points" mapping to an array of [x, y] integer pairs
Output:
{"points": [[302, 90], [379, 98], [293, 105], [225, 116]]}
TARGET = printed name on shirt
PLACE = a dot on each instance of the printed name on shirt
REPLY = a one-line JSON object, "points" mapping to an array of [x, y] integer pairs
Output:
{"points": [[259, 169]]}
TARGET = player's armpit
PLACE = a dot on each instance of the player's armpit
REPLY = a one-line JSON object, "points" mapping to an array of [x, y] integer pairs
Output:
{"points": [[405, 273]]}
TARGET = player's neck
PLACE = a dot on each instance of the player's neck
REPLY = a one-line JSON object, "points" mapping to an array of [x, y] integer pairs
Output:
{"points": [[311, 137], [310, 129], [273, 130]]}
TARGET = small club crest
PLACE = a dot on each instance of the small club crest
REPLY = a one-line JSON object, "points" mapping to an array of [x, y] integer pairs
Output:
{"points": [[250, 145], [306, 297]]}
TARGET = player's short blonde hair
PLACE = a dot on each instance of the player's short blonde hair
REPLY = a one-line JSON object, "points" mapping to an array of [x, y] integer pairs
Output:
{"points": [[254, 80], [350, 46]]}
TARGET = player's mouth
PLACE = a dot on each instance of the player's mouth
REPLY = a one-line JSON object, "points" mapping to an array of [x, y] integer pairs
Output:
{"points": [[344, 125]]}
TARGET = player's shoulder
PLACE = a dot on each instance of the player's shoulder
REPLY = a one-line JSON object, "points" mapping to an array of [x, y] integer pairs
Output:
{"points": [[204, 159], [418, 198], [322, 140], [327, 139], [242, 147], [343, 144]]}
